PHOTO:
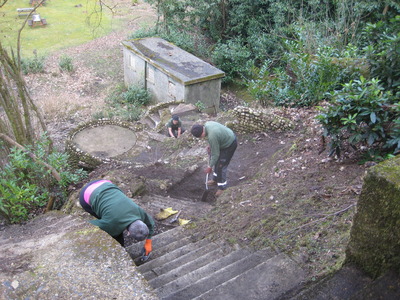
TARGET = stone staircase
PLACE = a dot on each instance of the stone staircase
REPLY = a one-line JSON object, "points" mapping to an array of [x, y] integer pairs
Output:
{"points": [[188, 267], [152, 120], [155, 119]]}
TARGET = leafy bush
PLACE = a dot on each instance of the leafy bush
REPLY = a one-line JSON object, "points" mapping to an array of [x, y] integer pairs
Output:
{"points": [[16, 201], [187, 40], [33, 65], [305, 79], [131, 113], [131, 95], [362, 114], [65, 63], [135, 95], [234, 59], [200, 105], [382, 44], [126, 104], [25, 185]]}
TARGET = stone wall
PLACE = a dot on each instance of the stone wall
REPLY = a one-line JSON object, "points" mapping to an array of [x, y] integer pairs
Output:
{"points": [[375, 235], [249, 120]]}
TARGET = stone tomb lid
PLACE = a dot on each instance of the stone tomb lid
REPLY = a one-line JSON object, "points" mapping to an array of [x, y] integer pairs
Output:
{"points": [[174, 61]]}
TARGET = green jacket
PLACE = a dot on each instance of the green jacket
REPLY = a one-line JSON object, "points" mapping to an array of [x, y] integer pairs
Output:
{"points": [[116, 211], [219, 137], [171, 124]]}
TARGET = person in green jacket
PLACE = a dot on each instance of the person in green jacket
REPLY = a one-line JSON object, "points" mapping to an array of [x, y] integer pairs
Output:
{"points": [[174, 127], [115, 212], [222, 145]]}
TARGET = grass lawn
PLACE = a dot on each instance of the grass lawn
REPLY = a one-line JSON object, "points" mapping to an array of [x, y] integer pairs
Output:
{"points": [[69, 23]]}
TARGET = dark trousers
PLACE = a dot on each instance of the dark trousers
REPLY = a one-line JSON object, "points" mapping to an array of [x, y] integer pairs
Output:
{"points": [[221, 167], [88, 208]]}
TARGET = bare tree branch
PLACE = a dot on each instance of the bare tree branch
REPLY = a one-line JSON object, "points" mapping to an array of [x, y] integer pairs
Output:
{"points": [[20, 30], [2, 4]]}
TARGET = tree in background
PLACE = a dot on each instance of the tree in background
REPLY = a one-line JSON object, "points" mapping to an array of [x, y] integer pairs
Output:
{"points": [[20, 119]]}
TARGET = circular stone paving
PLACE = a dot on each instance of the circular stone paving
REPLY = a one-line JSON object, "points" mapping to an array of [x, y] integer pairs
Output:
{"points": [[105, 141]]}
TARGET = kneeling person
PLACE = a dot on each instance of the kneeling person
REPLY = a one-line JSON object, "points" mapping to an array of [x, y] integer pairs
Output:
{"points": [[115, 212], [174, 127]]}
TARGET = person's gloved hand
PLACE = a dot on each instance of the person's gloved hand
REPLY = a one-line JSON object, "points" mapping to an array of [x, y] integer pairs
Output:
{"points": [[147, 247], [208, 170]]}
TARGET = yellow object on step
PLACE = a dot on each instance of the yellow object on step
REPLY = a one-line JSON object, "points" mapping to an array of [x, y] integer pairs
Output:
{"points": [[183, 222], [165, 213]]}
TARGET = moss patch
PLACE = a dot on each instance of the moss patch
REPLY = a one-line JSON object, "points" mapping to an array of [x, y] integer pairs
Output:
{"points": [[375, 236]]}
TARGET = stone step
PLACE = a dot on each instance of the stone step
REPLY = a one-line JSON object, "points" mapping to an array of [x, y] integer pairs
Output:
{"points": [[154, 204], [158, 242], [166, 254], [172, 107], [352, 283], [148, 121], [155, 117], [216, 273], [186, 255], [196, 263], [385, 287], [207, 277], [344, 284], [264, 281]]}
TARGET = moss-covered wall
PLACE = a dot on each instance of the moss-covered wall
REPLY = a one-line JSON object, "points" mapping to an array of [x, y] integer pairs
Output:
{"points": [[375, 235]]}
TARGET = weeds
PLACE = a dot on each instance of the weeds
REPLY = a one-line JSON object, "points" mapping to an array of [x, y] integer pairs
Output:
{"points": [[200, 105], [33, 65], [125, 103], [65, 63]]}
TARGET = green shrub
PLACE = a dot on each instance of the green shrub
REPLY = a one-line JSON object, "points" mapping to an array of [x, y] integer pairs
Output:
{"points": [[25, 185], [33, 65], [200, 105], [234, 59], [144, 32], [362, 114], [103, 115], [382, 44], [16, 201], [65, 63], [187, 40], [126, 104], [131, 113], [135, 95], [305, 79], [121, 95]]}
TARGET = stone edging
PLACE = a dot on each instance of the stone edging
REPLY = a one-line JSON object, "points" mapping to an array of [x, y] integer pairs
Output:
{"points": [[251, 120], [82, 159]]}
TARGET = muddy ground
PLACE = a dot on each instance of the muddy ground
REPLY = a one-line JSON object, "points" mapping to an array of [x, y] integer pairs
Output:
{"points": [[285, 192]]}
